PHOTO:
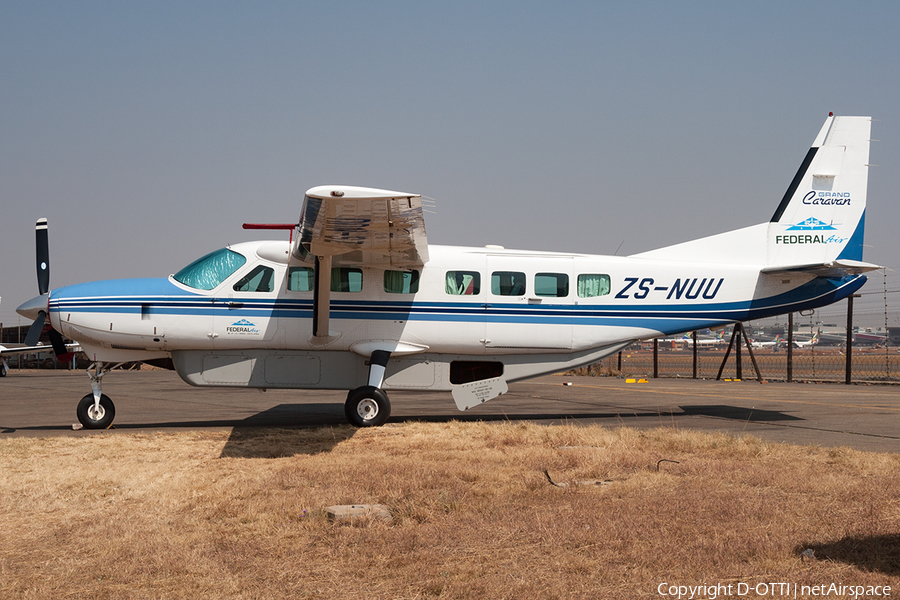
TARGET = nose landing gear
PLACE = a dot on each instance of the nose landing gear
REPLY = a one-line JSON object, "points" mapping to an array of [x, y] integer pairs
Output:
{"points": [[96, 410]]}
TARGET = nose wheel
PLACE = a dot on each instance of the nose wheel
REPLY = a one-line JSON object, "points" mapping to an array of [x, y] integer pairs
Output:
{"points": [[96, 415]]}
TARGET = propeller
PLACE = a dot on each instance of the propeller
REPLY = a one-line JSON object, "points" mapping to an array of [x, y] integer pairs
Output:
{"points": [[40, 303]]}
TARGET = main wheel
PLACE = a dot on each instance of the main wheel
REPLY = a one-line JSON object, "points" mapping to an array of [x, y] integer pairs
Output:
{"points": [[367, 406], [99, 418]]}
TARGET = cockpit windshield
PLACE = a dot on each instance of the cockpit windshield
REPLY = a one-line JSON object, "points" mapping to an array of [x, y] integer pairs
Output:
{"points": [[208, 272]]}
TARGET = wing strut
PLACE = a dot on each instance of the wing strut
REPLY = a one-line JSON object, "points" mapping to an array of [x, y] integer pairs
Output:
{"points": [[322, 302]]}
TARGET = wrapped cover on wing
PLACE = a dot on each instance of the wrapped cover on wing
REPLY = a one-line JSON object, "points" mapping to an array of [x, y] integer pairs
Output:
{"points": [[362, 226]]}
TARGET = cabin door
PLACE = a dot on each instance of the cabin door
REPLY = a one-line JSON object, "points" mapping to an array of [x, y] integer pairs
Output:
{"points": [[527, 302]]}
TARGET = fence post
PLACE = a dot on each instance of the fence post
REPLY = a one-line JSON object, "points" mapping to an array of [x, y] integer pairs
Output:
{"points": [[848, 369], [790, 348], [620, 362], [655, 358], [694, 338]]}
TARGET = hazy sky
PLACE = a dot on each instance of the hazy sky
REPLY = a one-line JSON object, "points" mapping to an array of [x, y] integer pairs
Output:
{"points": [[147, 132]]}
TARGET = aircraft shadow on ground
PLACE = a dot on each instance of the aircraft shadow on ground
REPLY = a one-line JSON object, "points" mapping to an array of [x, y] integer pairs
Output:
{"points": [[254, 436], [293, 416], [721, 411], [737, 413], [319, 427], [289, 430], [876, 553]]}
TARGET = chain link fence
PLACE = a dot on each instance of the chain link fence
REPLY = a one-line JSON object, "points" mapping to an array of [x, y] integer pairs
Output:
{"points": [[814, 364]]}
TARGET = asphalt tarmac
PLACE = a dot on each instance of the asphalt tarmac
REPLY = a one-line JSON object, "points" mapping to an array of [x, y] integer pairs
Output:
{"points": [[864, 417]]}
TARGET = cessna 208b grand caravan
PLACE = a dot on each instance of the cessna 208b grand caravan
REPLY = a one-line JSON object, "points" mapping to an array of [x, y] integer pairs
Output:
{"points": [[357, 300]]}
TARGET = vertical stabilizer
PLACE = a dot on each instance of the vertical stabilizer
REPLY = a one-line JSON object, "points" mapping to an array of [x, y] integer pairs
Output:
{"points": [[822, 215]]}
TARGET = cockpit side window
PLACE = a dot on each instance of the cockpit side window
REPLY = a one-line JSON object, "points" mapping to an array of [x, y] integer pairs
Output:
{"points": [[208, 272], [257, 280]]}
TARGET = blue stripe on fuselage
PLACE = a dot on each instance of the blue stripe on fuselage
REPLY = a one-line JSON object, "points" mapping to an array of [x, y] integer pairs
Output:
{"points": [[160, 296]]}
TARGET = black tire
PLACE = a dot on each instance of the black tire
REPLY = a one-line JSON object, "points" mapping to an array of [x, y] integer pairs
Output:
{"points": [[100, 421], [367, 406]]}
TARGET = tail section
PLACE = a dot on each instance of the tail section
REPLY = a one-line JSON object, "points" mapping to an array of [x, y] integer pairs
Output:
{"points": [[821, 218], [819, 224]]}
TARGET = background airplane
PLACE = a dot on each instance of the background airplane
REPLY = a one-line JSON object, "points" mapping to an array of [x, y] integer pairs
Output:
{"points": [[807, 343], [774, 344]]}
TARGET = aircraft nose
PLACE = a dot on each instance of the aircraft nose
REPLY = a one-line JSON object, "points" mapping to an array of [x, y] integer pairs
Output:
{"points": [[31, 308]]}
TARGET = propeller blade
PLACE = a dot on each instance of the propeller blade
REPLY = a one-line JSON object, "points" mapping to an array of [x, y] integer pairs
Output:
{"points": [[42, 251], [59, 345], [37, 328]]}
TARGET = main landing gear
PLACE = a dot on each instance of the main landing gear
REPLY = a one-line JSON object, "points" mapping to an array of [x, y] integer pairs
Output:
{"points": [[368, 406], [96, 410]]}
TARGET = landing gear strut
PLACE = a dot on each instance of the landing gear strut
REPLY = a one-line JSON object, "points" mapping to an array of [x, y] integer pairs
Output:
{"points": [[368, 406], [96, 410]]}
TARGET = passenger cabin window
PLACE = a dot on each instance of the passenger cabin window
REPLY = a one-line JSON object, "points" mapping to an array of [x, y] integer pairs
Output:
{"points": [[401, 282], [257, 280], [346, 279], [301, 279], [591, 285], [507, 283], [463, 283], [551, 284], [209, 271]]}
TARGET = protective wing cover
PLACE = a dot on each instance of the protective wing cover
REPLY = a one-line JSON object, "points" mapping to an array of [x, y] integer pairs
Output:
{"points": [[362, 226]]}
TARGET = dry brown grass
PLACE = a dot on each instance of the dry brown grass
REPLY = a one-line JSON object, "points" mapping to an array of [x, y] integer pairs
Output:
{"points": [[219, 515]]}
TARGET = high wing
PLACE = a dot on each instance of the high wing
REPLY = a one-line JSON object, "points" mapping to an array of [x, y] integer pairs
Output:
{"points": [[357, 226], [362, 226]]}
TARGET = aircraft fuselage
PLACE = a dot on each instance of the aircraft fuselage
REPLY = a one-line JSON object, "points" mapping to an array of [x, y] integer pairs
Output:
{"points": [[525, 312]]}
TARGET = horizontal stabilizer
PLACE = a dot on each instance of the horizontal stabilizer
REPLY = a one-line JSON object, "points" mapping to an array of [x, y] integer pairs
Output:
{"points": [[836, 268]]}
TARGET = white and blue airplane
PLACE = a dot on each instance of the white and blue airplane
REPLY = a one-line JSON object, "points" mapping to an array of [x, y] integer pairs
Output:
{"points": [[358, 300]]}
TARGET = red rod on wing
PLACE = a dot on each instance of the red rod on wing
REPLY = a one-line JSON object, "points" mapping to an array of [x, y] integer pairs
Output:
{"points": [[269, 225], [288, 226]]}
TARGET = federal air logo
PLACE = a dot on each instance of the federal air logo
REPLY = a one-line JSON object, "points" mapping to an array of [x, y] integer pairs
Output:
{"points": [[242, 327], [810, 224]]}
